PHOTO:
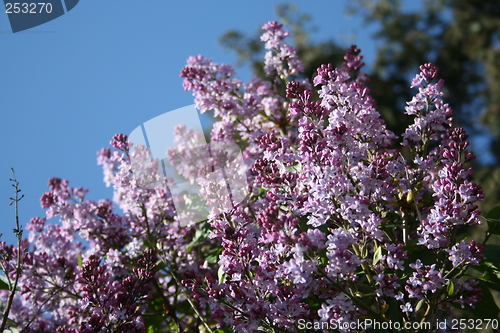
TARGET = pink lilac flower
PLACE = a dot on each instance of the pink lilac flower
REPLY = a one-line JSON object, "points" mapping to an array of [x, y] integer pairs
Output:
{"points": [[326, 231], [281, 60]]}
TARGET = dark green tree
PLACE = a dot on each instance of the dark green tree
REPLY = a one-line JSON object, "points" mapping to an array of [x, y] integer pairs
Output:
{"points": [[462, 37]]}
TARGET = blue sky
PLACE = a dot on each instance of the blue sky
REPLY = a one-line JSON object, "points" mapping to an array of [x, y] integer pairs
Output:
{"points": [[105, 67]]}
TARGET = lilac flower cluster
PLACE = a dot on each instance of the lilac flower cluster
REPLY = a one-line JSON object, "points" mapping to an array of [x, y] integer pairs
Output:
{"points": [[331, 197], [431, 114], [338, 224], [95, 270], [281, 59], [455, 194]]}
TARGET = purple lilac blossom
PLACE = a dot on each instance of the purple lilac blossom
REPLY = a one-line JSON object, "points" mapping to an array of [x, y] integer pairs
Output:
{"points": [[328, 233]]}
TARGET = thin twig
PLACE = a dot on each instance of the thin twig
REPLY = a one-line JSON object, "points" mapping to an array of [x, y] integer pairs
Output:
{"points": [[190, 301], [19, 233]]}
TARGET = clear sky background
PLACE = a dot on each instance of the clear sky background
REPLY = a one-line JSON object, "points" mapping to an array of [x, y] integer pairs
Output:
{"points": [[107, 66]]}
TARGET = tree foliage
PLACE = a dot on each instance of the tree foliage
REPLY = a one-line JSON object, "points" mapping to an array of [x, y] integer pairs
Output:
{"points": [[462, 37]]}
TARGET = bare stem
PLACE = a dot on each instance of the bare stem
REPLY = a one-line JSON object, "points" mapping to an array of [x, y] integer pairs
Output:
{"points": [[19, 233]]}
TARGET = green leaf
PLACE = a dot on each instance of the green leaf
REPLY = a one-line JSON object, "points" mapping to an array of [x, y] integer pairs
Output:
{"points": [[199, 238], [494, 227], [4, 283], [322, 259], [394, 312], [377, 255], [492, 251], [314, 302], [201, 235], [173, 326], [494, 214], [303, 223], [153, 323], [491, 272], [490, 267], [419, 305], [212, 255], [488, 264], [221, 274], [491, 278], [153, 318], [79, 260], [451, 288], [493, 220], [156, 303]]}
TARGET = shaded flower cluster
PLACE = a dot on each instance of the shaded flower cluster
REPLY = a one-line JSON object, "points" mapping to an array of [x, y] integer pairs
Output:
{"points": [[96, 270]]}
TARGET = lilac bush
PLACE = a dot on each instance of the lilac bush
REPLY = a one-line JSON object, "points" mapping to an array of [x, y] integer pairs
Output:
{"points": [[341, 223]]}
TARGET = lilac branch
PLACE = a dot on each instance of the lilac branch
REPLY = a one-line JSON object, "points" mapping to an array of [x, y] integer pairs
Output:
{"points": [[19, 233]]}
